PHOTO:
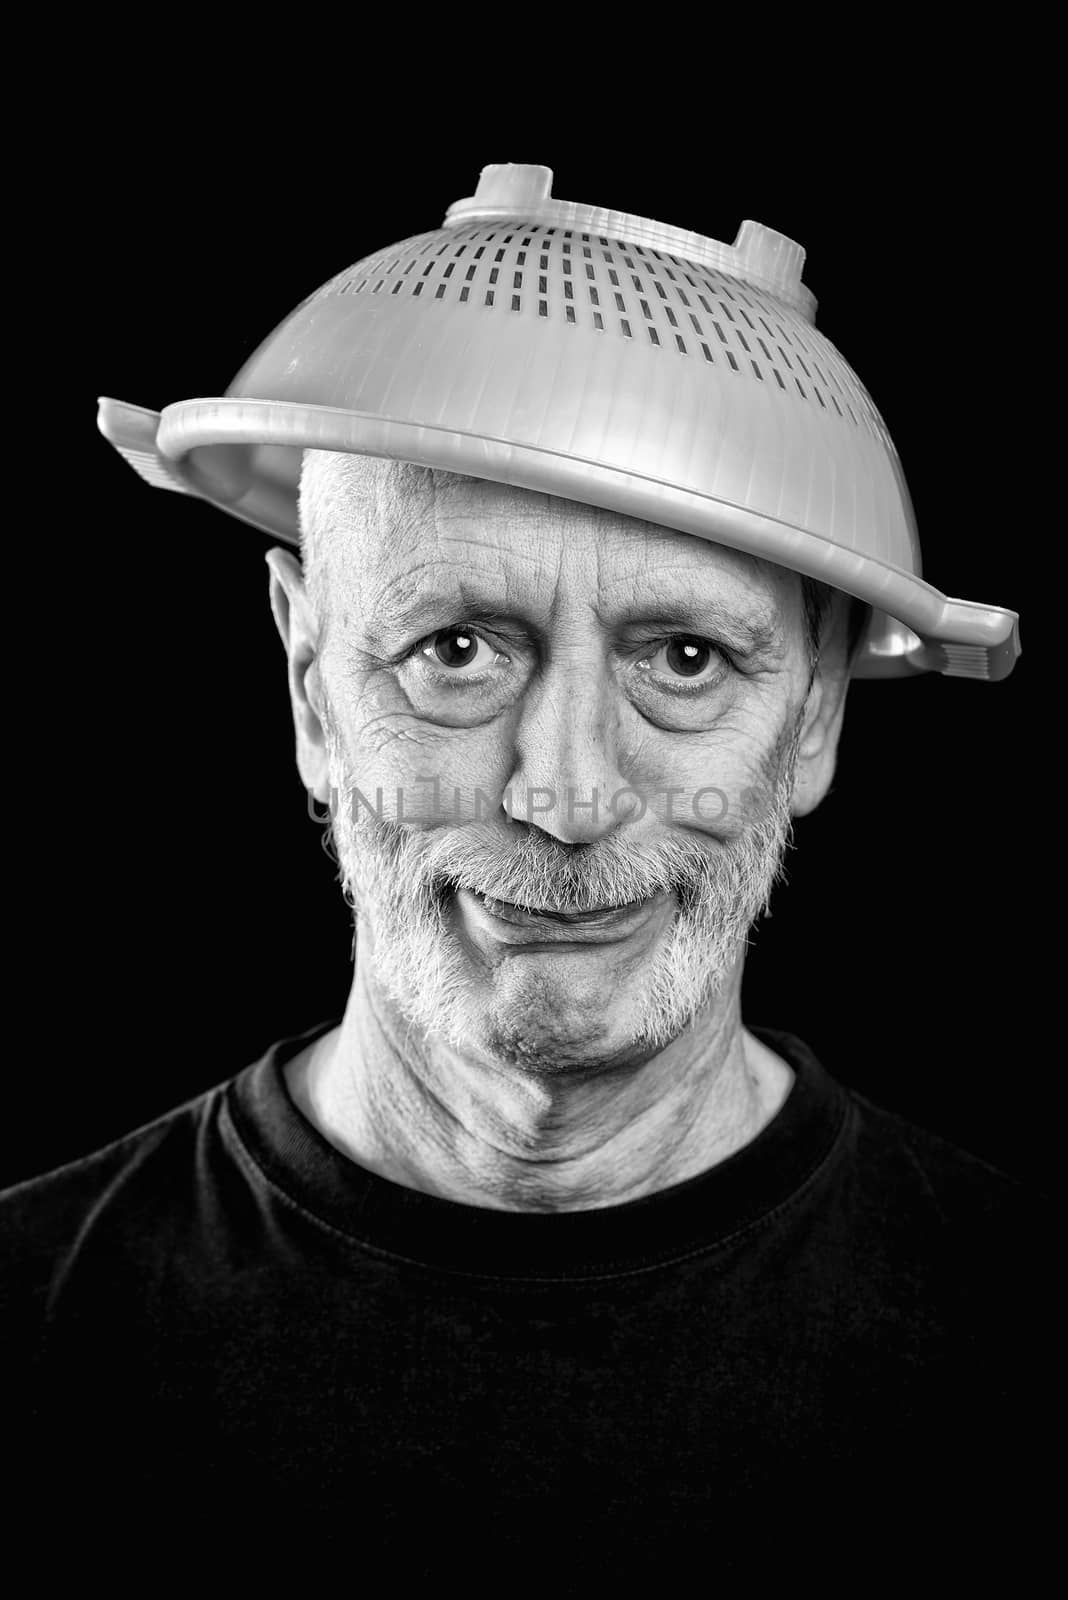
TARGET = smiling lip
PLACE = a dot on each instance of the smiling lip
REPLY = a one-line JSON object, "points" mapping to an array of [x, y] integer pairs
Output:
{"points": [[560, 927]]}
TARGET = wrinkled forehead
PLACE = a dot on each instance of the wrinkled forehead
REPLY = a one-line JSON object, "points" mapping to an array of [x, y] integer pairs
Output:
{"points": [[384, 528]]}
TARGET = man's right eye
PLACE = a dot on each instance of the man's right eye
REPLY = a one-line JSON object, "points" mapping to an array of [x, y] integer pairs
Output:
{"points": [[461, 651]]}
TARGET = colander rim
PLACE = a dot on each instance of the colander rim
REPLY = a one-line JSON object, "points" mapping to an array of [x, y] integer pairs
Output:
{"points": [[200, 424]]}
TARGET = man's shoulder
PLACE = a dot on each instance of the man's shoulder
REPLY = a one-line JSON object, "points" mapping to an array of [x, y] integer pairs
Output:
{"points": [[43, 1215], [948, 1184], [888, 1155]]}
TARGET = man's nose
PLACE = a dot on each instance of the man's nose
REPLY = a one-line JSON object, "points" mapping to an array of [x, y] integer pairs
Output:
{"points": [[568, 775]]}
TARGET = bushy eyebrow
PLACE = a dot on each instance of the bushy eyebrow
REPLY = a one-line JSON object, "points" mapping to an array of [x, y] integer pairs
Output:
{"points": [[747, 632], [405, 614]]}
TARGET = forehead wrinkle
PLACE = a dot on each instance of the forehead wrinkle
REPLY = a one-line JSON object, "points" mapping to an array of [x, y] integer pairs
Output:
{"points": [[502, 550], [359, 498], [467, 540], [406, 508], [704, 579], [393, 589], [386, 588], [512, 511]]}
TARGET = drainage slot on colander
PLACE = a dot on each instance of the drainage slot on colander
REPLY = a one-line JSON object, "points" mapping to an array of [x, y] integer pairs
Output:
{"points": [[659, 288]]}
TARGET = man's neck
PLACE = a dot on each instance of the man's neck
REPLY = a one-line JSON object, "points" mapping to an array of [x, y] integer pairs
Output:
{"points": [[433, 1119]]}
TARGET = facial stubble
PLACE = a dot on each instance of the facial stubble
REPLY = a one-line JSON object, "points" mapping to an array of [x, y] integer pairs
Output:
{"points": [[400, 883]]}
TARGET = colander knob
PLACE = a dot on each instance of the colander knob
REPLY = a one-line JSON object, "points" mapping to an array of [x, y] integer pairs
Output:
{"points": [[512, 183], [769, 255]]}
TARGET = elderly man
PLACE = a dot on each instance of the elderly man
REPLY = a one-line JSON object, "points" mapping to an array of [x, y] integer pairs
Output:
{"points": [[545, 1013], [538, 1264]]}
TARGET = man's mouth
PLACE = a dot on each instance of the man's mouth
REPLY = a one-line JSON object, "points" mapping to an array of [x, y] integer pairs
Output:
{"points": [[528, 916], [555, 923]]}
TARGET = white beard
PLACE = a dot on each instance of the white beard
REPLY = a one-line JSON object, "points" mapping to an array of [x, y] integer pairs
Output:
{"points": [[398, 881]]}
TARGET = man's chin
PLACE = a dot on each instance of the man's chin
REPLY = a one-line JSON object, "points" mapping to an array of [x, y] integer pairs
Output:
{"points": [[551, 997], [557, 1054]]}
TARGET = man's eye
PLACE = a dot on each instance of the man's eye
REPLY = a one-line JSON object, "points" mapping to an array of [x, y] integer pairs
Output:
{"points": [[686, 659], [462, 651]]}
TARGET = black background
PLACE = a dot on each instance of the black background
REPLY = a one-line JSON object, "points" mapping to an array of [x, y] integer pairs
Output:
{"points": [[180, 912]]}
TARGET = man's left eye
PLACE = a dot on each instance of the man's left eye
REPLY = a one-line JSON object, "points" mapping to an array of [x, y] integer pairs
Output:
{"points": [[685, 658], [461, 650]]}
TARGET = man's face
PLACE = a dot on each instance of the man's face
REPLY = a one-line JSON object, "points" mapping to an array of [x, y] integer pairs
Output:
{"points": [[552, 707]]}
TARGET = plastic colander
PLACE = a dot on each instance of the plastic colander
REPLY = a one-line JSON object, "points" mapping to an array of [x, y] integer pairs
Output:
{"points": [[597, 356]]}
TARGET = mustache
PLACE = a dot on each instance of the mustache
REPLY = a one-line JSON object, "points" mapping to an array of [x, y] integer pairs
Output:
{"points": [[543, 873]]}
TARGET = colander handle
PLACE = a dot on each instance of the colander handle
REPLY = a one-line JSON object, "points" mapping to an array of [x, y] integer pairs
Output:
{"points": [[132, 431], [969, 641]]}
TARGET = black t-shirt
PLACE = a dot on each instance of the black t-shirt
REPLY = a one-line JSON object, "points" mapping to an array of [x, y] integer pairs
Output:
{"points": [[221, 1329]]}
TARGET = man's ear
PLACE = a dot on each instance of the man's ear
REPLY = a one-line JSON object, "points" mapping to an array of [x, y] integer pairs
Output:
{"points": [[821, 723], [299, 631]]}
